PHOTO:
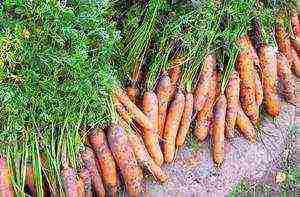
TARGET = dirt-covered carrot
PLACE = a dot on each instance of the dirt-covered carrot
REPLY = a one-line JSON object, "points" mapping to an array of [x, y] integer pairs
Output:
{"points": [[283, 42], [125, 159], [163, 92], [132, 92], [175, 70], [80, 187], [259, 94], [69, 181], [185, 120], [296, 62], [172, 125], [89, 161], [268, 63], [201, 91], [232, 94], [6, 188], [295, 24], [246, 44], [218, 130], [151, 136], [285, 76], [105, 159], [203, 117], [122, 110], [245, 126], [85, 175]]}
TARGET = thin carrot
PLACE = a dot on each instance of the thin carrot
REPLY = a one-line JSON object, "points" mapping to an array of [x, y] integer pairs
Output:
{"points": [[268, 63], [285, 76], [6, 188], [85, 175], [245, 126], [259, 94], [69, 180], [125, 159], [232, 95], [185, 120], [295, 24], [151, 136]]}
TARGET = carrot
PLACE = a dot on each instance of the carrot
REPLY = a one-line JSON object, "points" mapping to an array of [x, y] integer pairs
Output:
{"points": [[296, 62], [122, 110], [163, 92], [285, 76], [268, 63], [69, 180], [105, 160], [295, 24], [246, 43], [80, 187], [85, 175], [201, 91], [247, 86], [245, 126], [132, 92], [151, 136], [88, 158], [172, 124], [218, 130], [296, 44], [185, 120], [203, 117], [175, 70], [232, 95], [125, 159], [259, 94], [6, 188]]}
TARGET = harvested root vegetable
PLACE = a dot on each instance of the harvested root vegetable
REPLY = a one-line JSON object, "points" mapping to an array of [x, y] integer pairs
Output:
{"points": [[172, 125], [245, 126], [295, 24], [268, 63], [175, 70], [122, 110], [185, 120], [259, 94], [218, 130], [89, 161], [6, 189], [283, 42], [125, 159], [286, 79], [246, 44], [202, 88], [80, 187], [232, 94], [296, 62], [163, 92], [132, 92], [69, 181], [151, 136], [204, 116], [105, 160], [85, 175], [296, 44]]}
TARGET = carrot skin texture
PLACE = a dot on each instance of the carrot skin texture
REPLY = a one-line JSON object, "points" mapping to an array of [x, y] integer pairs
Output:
{"points": [[283, 42], [69, 178], [185, 120], [125, 159], [201, 91], [245, 126], [6, 188], [85, 175], [218, 130], [268, 62], [80, 187], [132, 92], [295, 24], [296, 44], [259, 94], [122, 110], [296, 62], [151, 136], [232, 95], [285, 76], [172, 125]]}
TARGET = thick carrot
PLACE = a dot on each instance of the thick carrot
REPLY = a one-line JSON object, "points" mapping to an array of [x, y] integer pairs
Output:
{"points": [[259, 94], [296, 62], [246, 43], [247, 86], [172, 124], [125, 159], [285, 76], [203, 117], [6, 188], [232, 95], [185, 120], [151, 136], [245, 126], [218, 130], [163, 92], [295, 24], [88, 158], [69, 181], [201, 91], [132, 92], [268, 63], [105, 160], [85, 175]]}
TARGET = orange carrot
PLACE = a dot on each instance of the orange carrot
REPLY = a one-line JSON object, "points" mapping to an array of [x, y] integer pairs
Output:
{"points": [[85, 175], [268, 63], [175, 70], [69, 180], [151, 136], [105, 160], [6, 188], [232, 95], [185, 120], [122, 110], [218, 130], [295, 24], [296, 44], [172, 124], [259, 94], [246, 44], [245, 126], [132, 92], [296, 62], [125, 159], [201, 91], [163, 92], [285, 76], [80, 187]]}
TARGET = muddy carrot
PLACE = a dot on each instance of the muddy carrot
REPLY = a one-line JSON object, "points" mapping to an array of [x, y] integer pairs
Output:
{"points": [[283, 42], [85, 175], [6, 188], [259, 94], [268, 63], [296, 62], [125, 159], [295, 24], [285, 76], [69, 181], [105, 160], [201, 91], [122, 110], [185, 120], [246, 43], [175, 69], [232, 95], [151, 136], [245, 126], [80, 187], [163, 92]]}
